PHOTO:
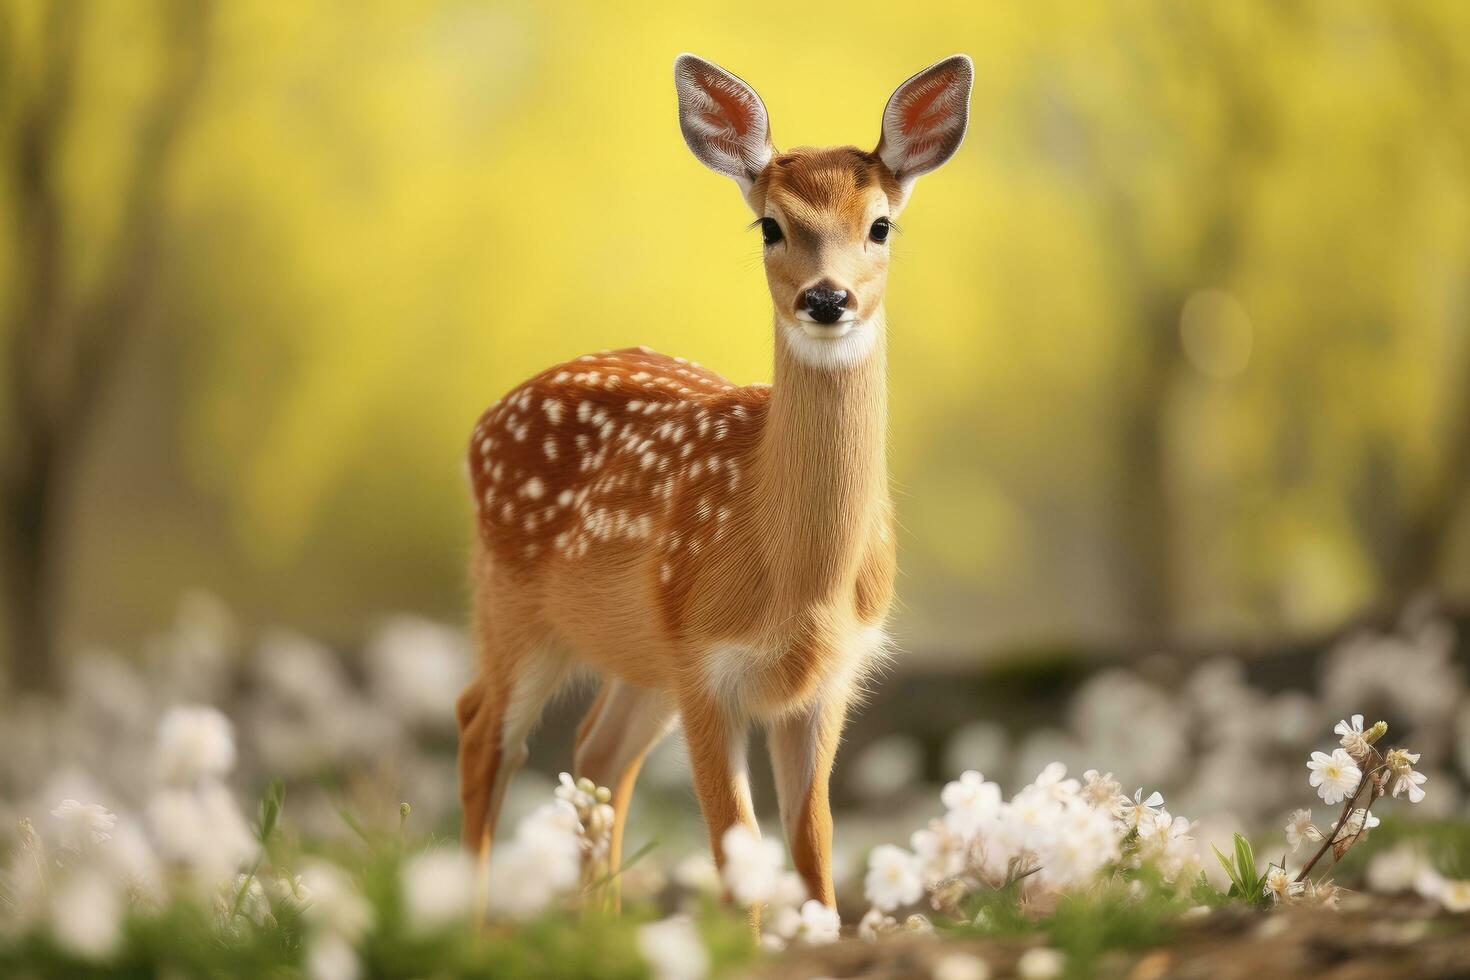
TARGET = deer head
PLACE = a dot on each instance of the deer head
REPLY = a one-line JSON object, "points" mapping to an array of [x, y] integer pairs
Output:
{"points": [[825, 214]]}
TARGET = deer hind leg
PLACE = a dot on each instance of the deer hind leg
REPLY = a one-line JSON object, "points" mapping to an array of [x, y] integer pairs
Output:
{"points": [[623, 725], [496, 713], [802, 747]]}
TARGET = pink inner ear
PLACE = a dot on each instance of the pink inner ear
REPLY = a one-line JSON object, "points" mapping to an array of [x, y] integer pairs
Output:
{"points": [[732, 110], [923, 109]]}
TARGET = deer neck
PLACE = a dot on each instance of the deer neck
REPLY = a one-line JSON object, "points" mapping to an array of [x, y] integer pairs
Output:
{"points": [[821, 471]]}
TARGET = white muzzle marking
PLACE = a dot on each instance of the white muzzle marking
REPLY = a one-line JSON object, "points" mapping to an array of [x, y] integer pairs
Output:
{"points": [[830, 345]]}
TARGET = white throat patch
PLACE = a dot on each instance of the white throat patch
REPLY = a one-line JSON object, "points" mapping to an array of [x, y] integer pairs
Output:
{"points": [[839, 345]]}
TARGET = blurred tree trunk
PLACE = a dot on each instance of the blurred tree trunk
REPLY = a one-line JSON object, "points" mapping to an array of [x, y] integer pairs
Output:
{"points": [[63, 349], [1429, 528], [1148, 514], [1415, 559]]}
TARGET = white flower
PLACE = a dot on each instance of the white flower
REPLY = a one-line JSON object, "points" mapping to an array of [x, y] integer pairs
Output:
{"points": [[86, 915], [130, 858], [1401, 769], [1300, 828], [1104, 792], [417, 669], [516, 886], [893, 878], [1395, 870], [194, 742], [979, 745], [330, 956], [753, 866], [1336, 776], [254, 905], [1279, 886], [290, 892], [1028, 823], [887, 766], [1355, 826], [819, 923], [697, 873], [1454, 895], [1352, 737], [1079, 840], [202, 828], [83, 825], [1136, 809], [541, 863], [961, 966], [438, 888], [972, 803], [336, 905], [875, 923], [940, 852], [1041, 963], [813, 923], [674, 949], [1052, 781], [1166, 842], [1428, 882], [302, 673]]}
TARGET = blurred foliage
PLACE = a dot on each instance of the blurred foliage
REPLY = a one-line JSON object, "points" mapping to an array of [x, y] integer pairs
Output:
{"points": [[1135, 913], [1178, 342]]}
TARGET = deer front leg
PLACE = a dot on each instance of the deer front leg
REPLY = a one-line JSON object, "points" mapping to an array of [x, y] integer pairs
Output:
{"points": [[622, 726], [716, 737], [803, 746]]}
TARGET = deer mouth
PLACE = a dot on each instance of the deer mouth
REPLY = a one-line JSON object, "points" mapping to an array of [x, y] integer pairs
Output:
{"points": [[827, 331], [813, 327]]}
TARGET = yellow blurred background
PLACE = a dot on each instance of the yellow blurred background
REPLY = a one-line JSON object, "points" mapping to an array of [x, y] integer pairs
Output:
{"points": [[1180, 339]]}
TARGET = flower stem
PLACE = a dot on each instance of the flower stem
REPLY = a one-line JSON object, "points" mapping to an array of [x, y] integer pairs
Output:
{"points": [[1347, 811]]}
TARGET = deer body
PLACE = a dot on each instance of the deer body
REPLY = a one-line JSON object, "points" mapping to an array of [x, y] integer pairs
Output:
{"points": [[719, 555]]}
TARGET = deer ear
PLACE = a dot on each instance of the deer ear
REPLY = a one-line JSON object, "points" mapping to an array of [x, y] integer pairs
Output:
{"points": [[723, 120], [926, 117]]}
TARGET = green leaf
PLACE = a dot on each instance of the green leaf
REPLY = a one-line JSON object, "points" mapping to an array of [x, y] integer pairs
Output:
{"points": [[1229, 870], [1245, 860], [271, 805], [638, 855]]}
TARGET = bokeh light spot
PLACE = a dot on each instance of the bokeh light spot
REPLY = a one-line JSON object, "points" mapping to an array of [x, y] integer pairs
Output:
{"points": [[1216, 333]]}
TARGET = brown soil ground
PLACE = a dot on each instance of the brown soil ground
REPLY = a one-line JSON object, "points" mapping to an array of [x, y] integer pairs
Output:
{"points": [[1362, 939]]}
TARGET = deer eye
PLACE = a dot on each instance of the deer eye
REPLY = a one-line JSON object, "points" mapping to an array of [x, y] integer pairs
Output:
{"points": [[879, 231], [770, 231]]}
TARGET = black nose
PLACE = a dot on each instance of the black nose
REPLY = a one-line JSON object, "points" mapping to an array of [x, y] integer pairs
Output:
{"points": [[825, 305]]}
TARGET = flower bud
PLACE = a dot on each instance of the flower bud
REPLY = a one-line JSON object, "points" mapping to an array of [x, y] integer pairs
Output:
{"points": [[1379, 729], [918, 923], [947, 897]]}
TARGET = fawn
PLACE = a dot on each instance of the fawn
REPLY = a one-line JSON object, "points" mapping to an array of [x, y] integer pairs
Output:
{"points": [[720, 555]]}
